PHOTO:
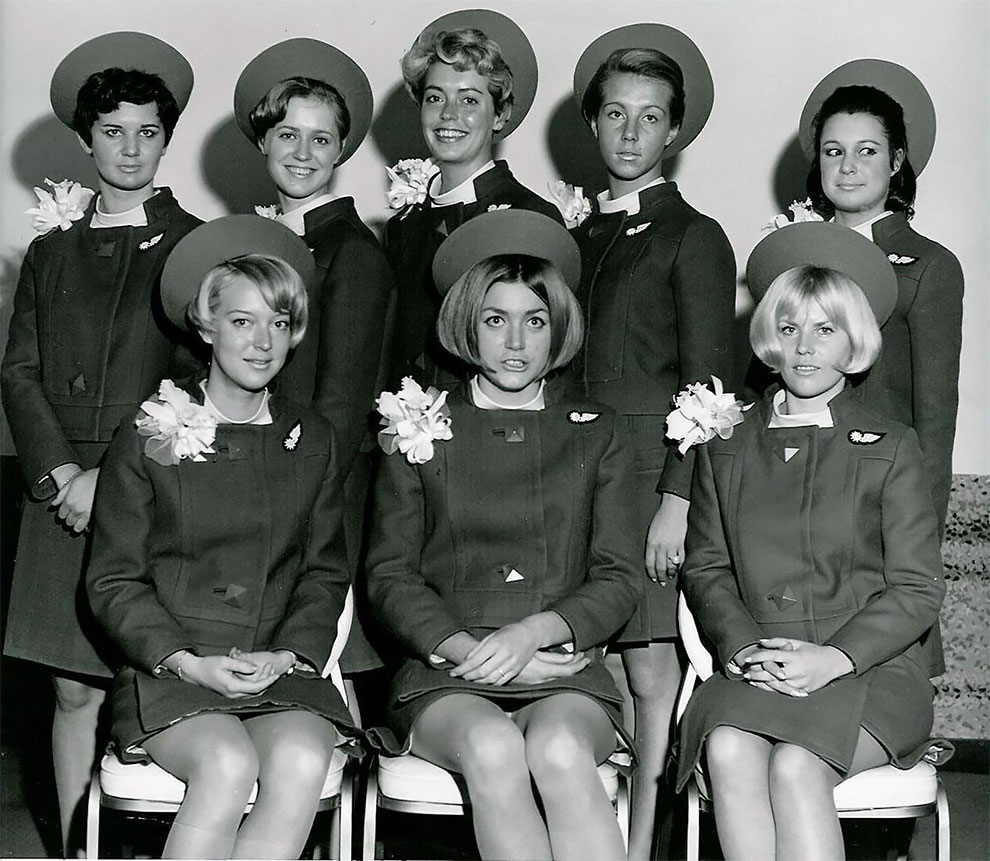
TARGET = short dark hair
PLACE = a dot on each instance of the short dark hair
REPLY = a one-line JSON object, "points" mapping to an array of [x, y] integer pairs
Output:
{"points": [[457, 324], [890, 115], [271, 110], [645, 62], [104, 91]]}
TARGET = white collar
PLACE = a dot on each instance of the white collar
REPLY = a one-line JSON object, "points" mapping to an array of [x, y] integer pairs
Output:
{"points": [[628, 203], [295, 219], [262, 417], [461, 193], [866, 228], [822, 418], [134, 217], [483, 402]]}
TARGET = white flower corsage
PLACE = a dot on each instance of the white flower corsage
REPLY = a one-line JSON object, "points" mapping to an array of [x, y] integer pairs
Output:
{"points": [[410, 181], [800, 211], [178, 427], [413, 419], [571, 202], [65, 203], [267, 211], [698, 414]]}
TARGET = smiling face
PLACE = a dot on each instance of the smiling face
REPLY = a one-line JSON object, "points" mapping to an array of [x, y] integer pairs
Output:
{"points": [[633, 129], [250, 343], [856, 166], [814, 351], [458, 119], [127, 146], [301, 151], [513, 342]]}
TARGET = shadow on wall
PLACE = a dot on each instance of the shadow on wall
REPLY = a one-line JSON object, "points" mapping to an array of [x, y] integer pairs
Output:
{"points": [[234, 170], [45, 146], [395, 129], [10, 268], [789, 175]]}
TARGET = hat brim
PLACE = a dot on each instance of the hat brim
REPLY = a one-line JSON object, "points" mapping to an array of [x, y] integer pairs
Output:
{"points": [[898, 83], [506, 231], [123, 50], [699, 88], [307, 58], [829, 246], [223, 239], [516, 51]]}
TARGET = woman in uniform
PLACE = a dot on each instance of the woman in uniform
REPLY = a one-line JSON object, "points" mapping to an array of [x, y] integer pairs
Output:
{"points": [[307, 106], [813, 562], [473, 75], [218, 566], [87, 342], [869, 128], [658, 294], [499, 555]]}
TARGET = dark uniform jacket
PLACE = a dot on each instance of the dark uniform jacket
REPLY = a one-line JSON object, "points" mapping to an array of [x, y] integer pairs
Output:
{"points": [[411, 240]]}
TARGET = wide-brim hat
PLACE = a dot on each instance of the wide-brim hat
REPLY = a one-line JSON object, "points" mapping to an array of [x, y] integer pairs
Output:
{"points": [[307, 58], [699, 88], [516, 51], [123, 50], [898, 83], [506, 231], [223, 239], [830, 246]]}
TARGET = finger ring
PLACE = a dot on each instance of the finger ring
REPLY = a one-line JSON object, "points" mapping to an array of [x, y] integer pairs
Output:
{"points": [[500, 672], [675, 559]]}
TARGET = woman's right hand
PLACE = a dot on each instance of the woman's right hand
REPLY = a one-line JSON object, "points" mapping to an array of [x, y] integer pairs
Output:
{"points": [[74, 499], [547, 666], [229, 677], [767, 676]]}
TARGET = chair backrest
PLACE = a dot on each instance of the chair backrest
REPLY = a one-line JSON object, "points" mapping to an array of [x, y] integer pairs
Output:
{"points": [[687, 628], [332, 666]]}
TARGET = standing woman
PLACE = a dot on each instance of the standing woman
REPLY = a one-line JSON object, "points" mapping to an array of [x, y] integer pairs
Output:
{"points": [[658, 294], [218, 566], [473, 74], [307, 106], [869, 128], [88, 340], [498, 539]]}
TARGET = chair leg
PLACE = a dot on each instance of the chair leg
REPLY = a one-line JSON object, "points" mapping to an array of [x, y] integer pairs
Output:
{"points": [[693, 821], [370, 810], [345, 810], [93, 815], [943, 851], [622, 808]]}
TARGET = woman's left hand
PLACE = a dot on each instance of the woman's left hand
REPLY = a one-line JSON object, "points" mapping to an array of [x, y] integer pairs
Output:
{"points": [[75, 499], [665, 539], [802, 665], [274, 664], [499, 657]]}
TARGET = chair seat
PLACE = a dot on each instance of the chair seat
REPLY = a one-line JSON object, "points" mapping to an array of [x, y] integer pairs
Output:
{"points": [[888, 786], [409, 778], [150, 782]]}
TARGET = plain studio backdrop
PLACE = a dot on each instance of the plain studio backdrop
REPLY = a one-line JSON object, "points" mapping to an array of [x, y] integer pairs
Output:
{"points": [[765, 58]]}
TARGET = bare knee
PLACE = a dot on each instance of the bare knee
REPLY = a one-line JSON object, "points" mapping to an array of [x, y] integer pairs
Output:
{"points": [[492, 750], [300, 758], [72, 696], [727, 748], [557, 753], [794, 769], [230, 765]]}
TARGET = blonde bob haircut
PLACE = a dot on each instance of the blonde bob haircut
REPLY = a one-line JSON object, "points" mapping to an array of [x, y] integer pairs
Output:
{"points": [[792, 292], [460, 313], [280, 285]]}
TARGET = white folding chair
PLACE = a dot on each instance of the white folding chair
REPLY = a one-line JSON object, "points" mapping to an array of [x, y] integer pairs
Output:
{"points": [[412, 785], [885, 792], [148, 788]]}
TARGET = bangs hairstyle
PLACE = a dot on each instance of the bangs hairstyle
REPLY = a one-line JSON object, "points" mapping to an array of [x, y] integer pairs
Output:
{"points": [[460, 313], [792, 292], [271, 110], [644, 62], [280, 285], [890, 115], [464, 49], [104, 91]]}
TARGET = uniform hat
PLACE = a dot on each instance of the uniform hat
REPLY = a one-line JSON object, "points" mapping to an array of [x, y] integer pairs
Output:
{"points": [[699, 89], [898, 83], [123, 50], [307, 58], [830, 246], [223, 239], [506, 231], [516, 51]]}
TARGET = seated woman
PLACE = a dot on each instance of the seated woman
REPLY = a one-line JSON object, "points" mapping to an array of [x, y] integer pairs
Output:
{"points": [[219, 565], [473, 75], [813, 563], [499, 539]]}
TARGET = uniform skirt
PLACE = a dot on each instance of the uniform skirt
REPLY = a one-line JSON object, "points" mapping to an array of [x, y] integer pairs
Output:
{"points": [[49, 620], [143, 705], [892, 701]]}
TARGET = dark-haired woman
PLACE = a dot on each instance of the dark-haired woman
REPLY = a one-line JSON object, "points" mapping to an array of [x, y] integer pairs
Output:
{"points": [[658, 292], [87, 342], [870, 128], [307, 106], [473, 75]]}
